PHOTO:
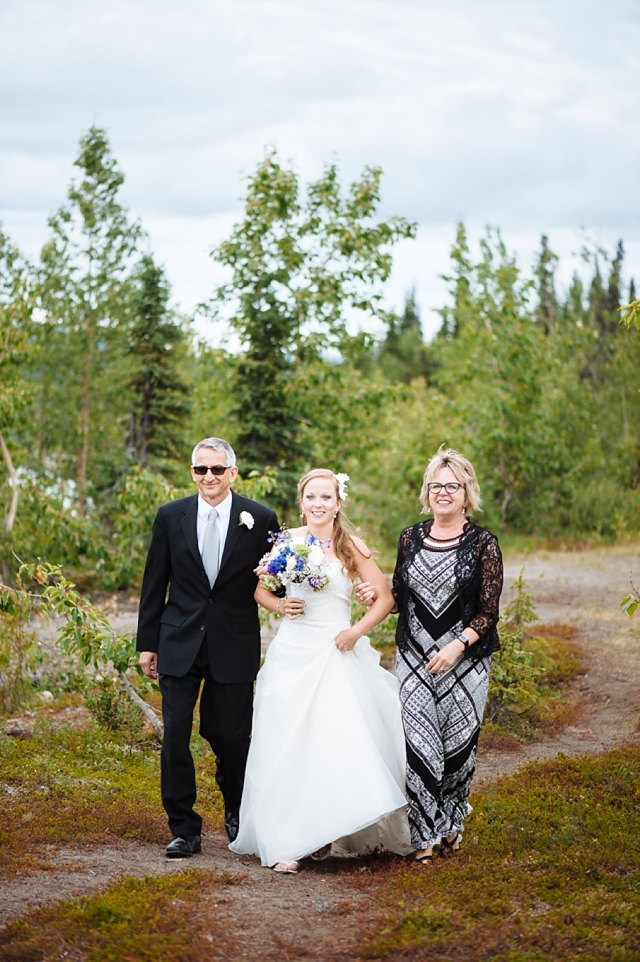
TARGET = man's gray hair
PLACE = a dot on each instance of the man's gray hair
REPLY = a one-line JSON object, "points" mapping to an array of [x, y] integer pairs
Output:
{"points": [[216, 444]]}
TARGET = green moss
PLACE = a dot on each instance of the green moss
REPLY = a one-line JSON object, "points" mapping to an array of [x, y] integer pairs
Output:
{"points": [[550, 870], [146, 920], [84, 787]]}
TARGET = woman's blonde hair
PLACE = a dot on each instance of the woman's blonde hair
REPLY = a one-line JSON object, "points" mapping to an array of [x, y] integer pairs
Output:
{"points": [[342, 541], [463, 471]]}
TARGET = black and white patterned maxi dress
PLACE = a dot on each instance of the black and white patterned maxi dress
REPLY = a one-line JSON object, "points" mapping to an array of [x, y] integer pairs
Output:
{"points": [[441, 588]]}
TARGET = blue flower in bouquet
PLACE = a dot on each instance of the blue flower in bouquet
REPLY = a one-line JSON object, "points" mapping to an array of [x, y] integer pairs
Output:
{"points": [[296, 561]]}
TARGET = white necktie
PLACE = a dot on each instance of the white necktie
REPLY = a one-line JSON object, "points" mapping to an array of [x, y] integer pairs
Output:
{"points": [[211, 547]]}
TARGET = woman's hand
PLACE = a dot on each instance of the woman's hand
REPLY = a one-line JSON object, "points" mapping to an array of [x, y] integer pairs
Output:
{"points": [[261, 572], [446, 657], [292, 608], [365, 593], [346, 640]]}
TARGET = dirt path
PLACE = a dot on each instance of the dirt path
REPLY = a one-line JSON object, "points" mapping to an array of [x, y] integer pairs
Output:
{"points": [[320, 914], [584, 590]]}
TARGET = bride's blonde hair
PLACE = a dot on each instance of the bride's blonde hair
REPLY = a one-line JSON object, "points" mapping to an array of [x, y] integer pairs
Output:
{"points": [[342, 541]]}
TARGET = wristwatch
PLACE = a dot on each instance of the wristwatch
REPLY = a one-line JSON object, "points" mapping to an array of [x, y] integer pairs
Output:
{"points": [[465, 641]]}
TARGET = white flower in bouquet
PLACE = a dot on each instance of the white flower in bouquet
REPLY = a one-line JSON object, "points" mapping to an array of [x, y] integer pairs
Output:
{"points": [[296, 561]]}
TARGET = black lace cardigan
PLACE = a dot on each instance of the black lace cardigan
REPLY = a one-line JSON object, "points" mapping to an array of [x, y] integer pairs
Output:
{"points": [[479, 575]]}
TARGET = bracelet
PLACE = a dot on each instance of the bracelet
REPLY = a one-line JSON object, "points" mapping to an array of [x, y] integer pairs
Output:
{"points": [[465, 641], [278, 607]]}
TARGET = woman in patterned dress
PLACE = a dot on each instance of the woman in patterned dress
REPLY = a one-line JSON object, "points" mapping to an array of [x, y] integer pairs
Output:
{"points": [[447, 585]]}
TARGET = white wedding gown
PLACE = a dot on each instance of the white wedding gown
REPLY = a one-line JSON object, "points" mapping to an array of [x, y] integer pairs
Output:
{"points": [[327, 756]]}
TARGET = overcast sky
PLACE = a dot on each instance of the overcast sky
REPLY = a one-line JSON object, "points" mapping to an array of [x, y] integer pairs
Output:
{"points": [[518, 113]]}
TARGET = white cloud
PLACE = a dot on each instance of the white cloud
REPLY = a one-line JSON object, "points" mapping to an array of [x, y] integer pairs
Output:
{"points": [[521, 113]]}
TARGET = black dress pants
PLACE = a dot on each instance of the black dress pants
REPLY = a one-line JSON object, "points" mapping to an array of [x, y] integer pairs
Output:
{"points": [[225, 721]]}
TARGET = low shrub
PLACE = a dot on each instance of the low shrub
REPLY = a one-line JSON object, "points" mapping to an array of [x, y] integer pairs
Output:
{"points": [[86, 787], [550, 869], [149, 920]]}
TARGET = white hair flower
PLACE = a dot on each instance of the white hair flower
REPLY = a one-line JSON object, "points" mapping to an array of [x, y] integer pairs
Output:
{"points": [[342, 485]]}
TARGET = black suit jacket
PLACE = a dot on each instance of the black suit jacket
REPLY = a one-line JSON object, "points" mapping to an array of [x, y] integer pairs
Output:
{"points": [[226, 614]]}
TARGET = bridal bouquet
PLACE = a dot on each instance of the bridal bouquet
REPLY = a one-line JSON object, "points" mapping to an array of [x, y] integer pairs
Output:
{"points": [[295, 561]]}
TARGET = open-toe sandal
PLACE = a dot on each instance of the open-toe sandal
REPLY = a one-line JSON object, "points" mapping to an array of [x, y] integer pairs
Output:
{"points": [[450, 847], [286, 868], [423, 859], [322, 853]]}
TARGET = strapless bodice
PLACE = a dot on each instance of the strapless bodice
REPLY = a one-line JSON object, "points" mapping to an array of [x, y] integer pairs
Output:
{"points": [[330, 605]]}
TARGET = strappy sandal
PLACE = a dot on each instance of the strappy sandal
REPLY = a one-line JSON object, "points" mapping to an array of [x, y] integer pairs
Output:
{"points": [[423, 859], [286, 868], [450, 847], [322, 853]]}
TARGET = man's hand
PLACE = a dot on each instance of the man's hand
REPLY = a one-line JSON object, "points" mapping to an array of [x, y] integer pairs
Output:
{"points": [[149, 663]]}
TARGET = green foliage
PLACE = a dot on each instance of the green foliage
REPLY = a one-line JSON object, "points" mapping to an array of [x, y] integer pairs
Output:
{"points": [[103, 388], [403, 356], [297, 265], [48, 526], [85, 292], [149, 920], [513, 677], [521, 610], [160, 394], [18, 649], [630, 603], [86, 631], [550, 869], [86, 786], [112, 710], [16, 303], [630, 314], [139, 497]]}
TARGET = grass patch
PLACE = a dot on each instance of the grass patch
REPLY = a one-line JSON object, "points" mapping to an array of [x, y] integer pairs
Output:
{"points": [[557, 660], [550, 870], [146, 920], [78, 787]]}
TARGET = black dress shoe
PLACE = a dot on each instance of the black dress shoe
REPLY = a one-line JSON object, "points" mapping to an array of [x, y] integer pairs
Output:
{"points": [[232, 824], [183, 846]]}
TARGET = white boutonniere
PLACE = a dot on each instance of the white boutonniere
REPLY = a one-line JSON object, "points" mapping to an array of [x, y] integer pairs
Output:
{"points": [[247, 519]]}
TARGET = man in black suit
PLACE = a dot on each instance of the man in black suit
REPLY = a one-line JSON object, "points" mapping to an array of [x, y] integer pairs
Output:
{"points": [[204, 549]]}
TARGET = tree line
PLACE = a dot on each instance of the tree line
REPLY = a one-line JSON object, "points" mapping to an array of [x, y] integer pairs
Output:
{"points": [[105, 387]]}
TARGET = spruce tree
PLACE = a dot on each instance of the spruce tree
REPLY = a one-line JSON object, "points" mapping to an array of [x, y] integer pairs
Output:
{"points": [[297, 264], [160, 403], [544, 271], [403, 355]]}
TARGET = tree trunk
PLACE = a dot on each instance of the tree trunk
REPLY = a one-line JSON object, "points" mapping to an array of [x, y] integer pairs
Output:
{"points": [[83, 457], [146, 419], [10, 518]]}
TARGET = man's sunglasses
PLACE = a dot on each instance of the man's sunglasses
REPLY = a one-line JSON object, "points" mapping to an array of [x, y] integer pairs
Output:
{"points": [[217, 470]]}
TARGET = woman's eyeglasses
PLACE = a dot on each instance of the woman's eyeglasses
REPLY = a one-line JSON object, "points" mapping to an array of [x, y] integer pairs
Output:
{"points": [[435, 487], [216, 469]]}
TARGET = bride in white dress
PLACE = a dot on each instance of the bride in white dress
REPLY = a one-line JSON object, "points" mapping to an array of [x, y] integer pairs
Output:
{"points": [[326, 767]]}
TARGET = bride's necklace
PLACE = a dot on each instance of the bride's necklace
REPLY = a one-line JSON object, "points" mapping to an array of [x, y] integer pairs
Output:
{"points": [[323, 544]]}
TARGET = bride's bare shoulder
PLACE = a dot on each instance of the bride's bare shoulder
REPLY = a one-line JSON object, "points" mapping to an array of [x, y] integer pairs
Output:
{"points": [[361, 546]]}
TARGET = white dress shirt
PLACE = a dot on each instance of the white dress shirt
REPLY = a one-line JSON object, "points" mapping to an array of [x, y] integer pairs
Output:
{"points": [[224, 512]]}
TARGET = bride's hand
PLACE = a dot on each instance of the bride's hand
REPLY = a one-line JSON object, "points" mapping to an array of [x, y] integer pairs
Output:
{"points": [[261, 572], [293, 608], [346, 640], [365, 593]]}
